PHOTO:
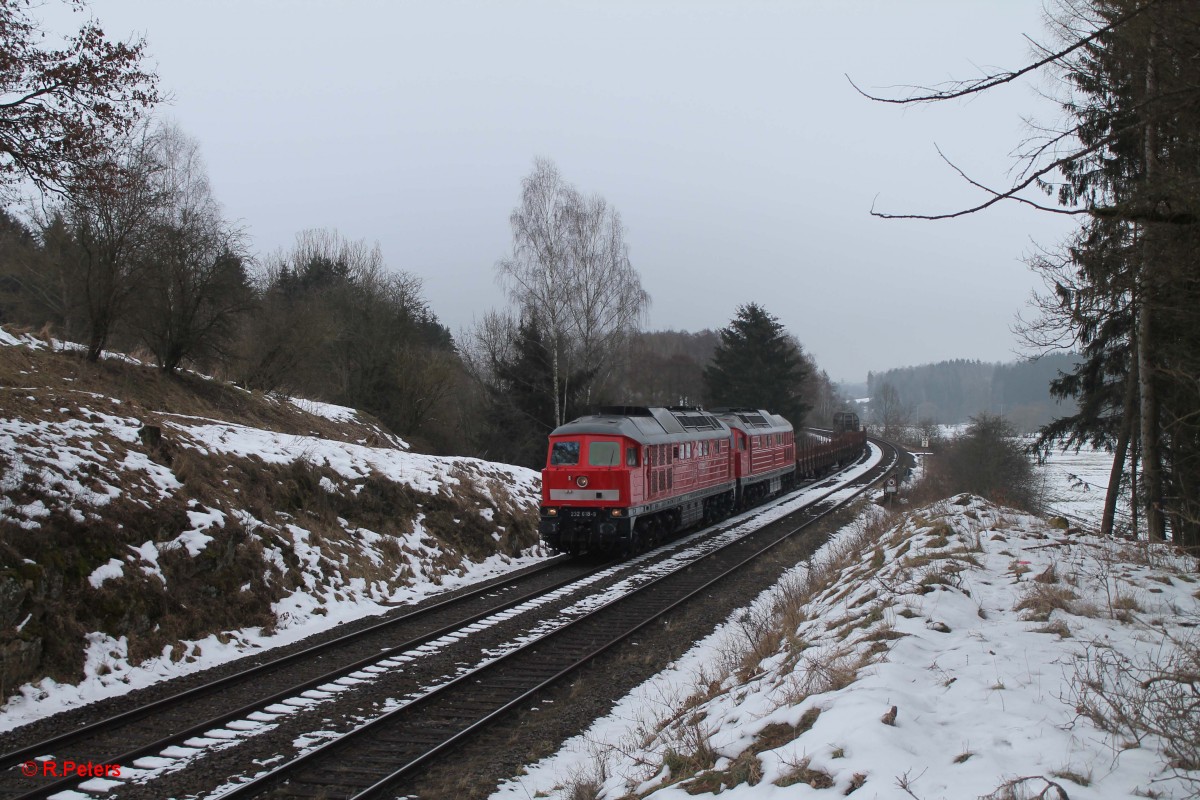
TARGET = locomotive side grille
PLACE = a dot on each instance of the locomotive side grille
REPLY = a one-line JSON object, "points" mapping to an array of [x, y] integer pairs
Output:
{"points": [[697, 422]]}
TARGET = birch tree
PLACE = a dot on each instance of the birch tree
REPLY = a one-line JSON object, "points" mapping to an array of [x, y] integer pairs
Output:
{"points": [[570, 273]]}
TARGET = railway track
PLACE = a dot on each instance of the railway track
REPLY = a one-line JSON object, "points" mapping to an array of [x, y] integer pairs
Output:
{"points": [[374, 759], [150, 727], [382, 752]]}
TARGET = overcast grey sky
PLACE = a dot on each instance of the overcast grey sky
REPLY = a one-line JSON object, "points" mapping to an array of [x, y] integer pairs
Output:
{"points": [[742, 162]]}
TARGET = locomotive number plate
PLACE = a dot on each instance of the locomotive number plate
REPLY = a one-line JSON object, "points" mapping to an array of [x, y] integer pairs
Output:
{"points": [[585, 495]]}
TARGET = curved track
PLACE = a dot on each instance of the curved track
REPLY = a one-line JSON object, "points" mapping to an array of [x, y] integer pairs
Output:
{"points": [[375, 758], [381, 753], [151, 727]]}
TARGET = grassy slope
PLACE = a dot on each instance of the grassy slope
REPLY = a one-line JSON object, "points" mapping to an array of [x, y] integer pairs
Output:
{"points": [[171, 542]]}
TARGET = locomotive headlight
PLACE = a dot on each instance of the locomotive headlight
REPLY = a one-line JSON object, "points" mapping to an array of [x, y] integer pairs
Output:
{"points": [[582, 481], [616, 512], [551, 512]]}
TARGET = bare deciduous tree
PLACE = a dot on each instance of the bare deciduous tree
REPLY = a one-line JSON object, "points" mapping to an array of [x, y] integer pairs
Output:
{"points": [[194, 283], [889, 412], [105, 232], [337, 325], [570, 270], [60, 106]]}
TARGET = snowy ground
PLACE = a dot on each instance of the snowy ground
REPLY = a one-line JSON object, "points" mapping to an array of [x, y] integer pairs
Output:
{"points": [[85, 455], [971, 622], [1075, 487], [936, 655], [109, 672]]}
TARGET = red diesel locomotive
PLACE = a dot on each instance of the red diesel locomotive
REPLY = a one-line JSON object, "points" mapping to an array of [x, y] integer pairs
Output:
{"points": [[621, 480]]}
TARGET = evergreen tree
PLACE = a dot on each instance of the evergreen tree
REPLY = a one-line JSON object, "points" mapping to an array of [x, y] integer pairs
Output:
{"points": [[1128, 290], [521, 412], [757, 364], [1135, 109]]}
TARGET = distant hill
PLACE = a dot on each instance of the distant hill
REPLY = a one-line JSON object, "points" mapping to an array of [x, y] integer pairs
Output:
{"points": [[953, 391]]}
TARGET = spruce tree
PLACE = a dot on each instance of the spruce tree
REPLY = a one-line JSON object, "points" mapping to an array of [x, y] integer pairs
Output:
{"points": [[758, 365], [1127, 292]]}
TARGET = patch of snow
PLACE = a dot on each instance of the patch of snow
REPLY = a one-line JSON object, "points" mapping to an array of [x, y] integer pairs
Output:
{"points": [[147, 554], [326, 410], [112, 570], [195, 539]]}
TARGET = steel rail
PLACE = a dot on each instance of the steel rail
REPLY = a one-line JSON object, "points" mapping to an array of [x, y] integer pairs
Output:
{"points": [[396, 719], [108, 724]]}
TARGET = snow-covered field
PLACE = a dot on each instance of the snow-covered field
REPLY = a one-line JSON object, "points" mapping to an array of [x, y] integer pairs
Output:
{"points": [[945, 653], [1075, 484]]}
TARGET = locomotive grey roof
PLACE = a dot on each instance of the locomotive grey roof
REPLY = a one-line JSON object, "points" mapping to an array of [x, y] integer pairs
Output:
{"points": [[753, 420], [648, 425]]}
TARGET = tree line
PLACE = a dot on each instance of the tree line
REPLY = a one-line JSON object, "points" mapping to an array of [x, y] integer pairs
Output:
{"points": [[953, 391], [1124, 292], [124, 246]]}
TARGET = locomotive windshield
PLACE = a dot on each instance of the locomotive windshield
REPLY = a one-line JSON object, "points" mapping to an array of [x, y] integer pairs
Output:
{"points": [[604, 454], [564, 453]]}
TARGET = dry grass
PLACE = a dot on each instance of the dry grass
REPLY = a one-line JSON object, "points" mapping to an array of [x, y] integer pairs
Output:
{"points": [[778, 734], [1018, 569], [1057, 627], [746, 769], [1048, 575], [691, 754], [230, 584], [824, 670], [1040, 600], [1033, 787], [1155, 696], [1074, 776], [801, 772], [65, 379], [582, 787]]}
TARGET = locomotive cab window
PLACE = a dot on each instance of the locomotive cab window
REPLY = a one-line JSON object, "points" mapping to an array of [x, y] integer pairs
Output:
{"points": [[604, 454], [564, 454], [631, 456]]}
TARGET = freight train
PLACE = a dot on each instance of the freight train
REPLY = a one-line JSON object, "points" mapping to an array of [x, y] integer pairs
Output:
{"points": [[621, 480]]}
